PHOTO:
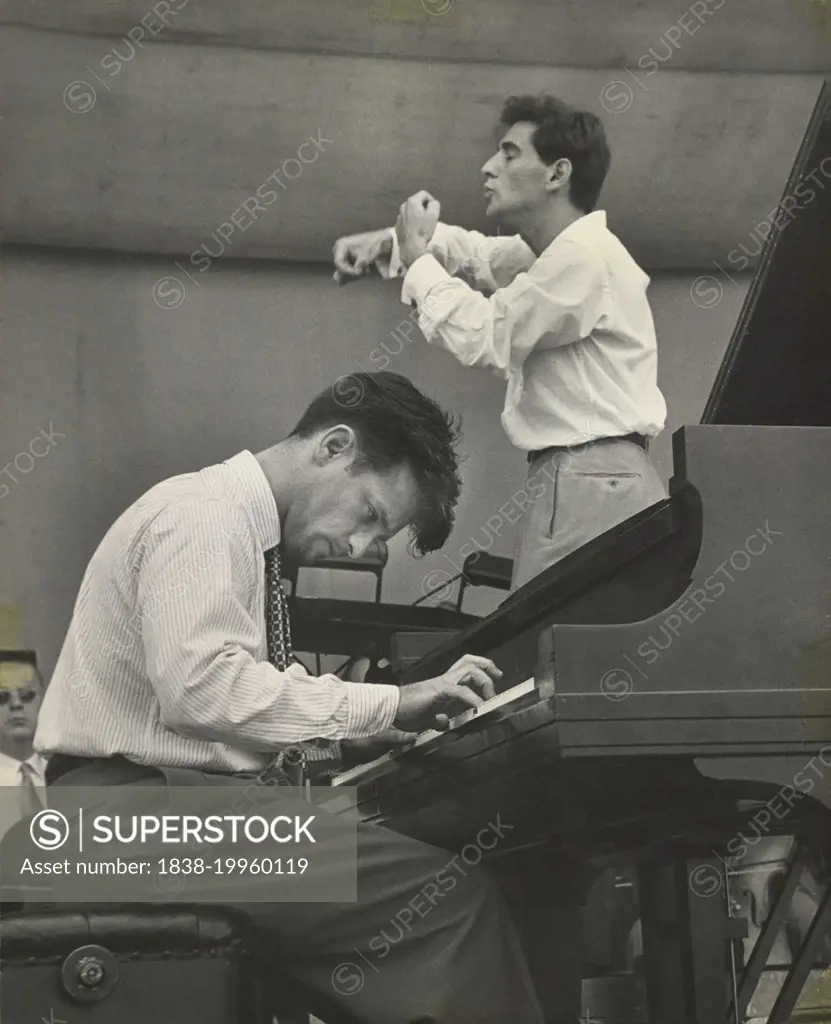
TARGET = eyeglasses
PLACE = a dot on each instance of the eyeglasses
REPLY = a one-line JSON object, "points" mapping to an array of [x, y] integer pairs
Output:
{"points": [[25, 696]]}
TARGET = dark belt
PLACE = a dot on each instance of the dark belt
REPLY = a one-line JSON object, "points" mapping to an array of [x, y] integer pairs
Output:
{"points": [[59, 765], [639, 439]]}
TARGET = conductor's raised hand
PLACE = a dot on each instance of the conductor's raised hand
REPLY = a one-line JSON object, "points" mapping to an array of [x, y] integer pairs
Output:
{"points": [[432, 703], [355, 255], [417, 220]]}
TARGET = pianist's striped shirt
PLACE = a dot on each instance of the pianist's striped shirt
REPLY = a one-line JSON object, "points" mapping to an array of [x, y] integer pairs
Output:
{"points": [[165, 658]]}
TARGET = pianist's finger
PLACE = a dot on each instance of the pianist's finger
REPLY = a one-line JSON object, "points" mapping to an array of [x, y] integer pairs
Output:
{"points": [[480, 662], [479, 681], [453, 705], [471, 688], [398, 738], [465, 671], [421, 704]]}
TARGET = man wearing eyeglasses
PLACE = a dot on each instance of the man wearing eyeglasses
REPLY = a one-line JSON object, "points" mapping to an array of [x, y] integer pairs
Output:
{"points": [[21, 694]]}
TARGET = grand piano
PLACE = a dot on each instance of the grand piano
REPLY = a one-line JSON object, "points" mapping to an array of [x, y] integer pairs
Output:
{"points": [[668, 686]]}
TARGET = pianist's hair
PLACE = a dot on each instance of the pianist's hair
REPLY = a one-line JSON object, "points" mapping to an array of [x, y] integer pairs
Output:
{"points": [[396, 423], [565, 133]]}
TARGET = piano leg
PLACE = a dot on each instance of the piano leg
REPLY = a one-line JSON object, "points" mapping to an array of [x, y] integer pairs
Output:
{"points": [[804, 962], [547, 893], [774, 913], [686, 936]]}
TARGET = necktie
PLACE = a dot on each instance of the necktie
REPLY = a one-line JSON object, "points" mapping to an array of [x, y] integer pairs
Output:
{"points": [[278, 638], [278, 627], [30, 802], [298, 761]]}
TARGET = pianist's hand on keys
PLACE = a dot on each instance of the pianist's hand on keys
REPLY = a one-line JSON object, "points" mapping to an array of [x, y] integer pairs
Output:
{"points": [[358, 751], [432, 703]]}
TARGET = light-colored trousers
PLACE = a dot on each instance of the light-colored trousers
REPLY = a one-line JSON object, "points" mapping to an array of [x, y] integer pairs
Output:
{"points": [[574, 495]]}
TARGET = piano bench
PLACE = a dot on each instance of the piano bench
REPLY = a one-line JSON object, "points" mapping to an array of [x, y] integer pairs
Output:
{"points": [[131, 964]]}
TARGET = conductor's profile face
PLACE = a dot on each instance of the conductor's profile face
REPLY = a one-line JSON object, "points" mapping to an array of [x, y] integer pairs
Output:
{"points": [[515, 176], [339, 506]]}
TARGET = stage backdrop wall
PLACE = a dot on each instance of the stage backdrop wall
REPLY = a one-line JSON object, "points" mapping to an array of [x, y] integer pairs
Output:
{"points": [[132, 393]]}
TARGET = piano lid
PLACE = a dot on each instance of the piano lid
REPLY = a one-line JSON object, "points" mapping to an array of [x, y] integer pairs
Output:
{"points": [[777, 370]]}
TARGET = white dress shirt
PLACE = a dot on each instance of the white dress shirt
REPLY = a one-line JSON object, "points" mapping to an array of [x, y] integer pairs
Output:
{"points": [[165, 658], [571, 330], [11, 775], [11, 783]]}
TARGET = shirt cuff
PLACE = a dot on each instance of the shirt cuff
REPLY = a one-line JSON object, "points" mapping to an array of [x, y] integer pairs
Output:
{"points": [[422, 276], [371, 708], [324, 750]]}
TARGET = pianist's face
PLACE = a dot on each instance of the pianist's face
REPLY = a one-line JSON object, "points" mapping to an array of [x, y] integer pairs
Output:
{"points": [[338, 508], [517, 182]]}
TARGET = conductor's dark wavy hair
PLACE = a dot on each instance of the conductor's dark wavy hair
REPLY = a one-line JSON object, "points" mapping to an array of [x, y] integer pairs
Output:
{"points": [[563, 132], [395, 423]]}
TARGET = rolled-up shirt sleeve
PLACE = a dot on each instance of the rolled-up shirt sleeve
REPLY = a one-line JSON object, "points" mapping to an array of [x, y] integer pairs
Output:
{"points": [[559, 300], [197, 577]]}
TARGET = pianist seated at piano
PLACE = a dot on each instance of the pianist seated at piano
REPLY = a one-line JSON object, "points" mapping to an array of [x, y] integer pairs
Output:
{"points": [[185, 662]]}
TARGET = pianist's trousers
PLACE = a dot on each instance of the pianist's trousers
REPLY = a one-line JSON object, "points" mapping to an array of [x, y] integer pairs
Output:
{"points": [[573, 496], [395, 956]]}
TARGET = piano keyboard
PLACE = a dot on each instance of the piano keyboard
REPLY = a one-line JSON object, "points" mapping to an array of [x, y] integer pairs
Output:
{"points": [[363, 772]]}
